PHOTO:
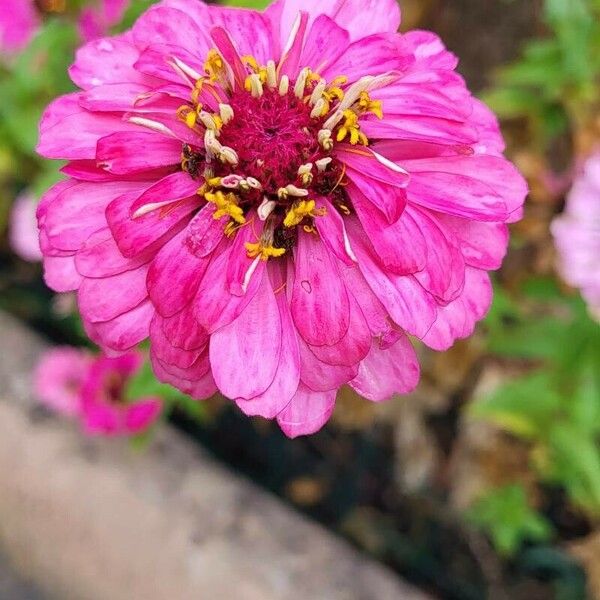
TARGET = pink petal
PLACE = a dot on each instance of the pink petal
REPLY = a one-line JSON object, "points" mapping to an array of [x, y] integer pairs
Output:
{"points": [[457, 319], [307, 412], [124, 332], [384, 373], [320, 376], [200, 389], [104, 299], [320, 305], [60, 273], [182, 330], [112, 97], [140, 415], [287, 377], [131, 152], [325, 43], [174, 276], [333, 232], [108, 60], [205, 232], [245, 354]]}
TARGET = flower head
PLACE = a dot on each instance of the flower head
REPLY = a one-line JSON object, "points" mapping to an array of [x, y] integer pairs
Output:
{"points": [[577, 235], [74, 383], [276, 199]]}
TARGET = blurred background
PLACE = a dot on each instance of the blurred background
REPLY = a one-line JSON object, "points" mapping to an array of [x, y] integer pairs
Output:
{"points": [[485, 482]]}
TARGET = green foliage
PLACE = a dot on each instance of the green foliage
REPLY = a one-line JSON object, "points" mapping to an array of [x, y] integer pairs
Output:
{"points": [[555, 406], [505, 515], [556, 79], [256, 4]]}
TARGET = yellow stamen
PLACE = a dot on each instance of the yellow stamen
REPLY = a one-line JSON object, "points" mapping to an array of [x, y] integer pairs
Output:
{"points": [[214, 65], [264, 251], [187, 114], [226, 204], [366, 105], [301, 210], [351, 128]]}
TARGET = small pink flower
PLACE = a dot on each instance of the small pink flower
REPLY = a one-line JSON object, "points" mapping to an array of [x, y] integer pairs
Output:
{"points": [[94, 22], [24, 234], [277, 200], [59, 377], [104, 411], [19, 20], [577, 235]]}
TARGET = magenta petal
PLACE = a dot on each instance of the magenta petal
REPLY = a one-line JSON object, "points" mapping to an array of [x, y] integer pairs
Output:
{"points": [[182, 330], [252, 340], [60, 273], [108, 60], [325, 43], [118, 97], [320, 305], [289, 63], [168, 354], [100, 257], [124, 332], [214, 306], [287, 377], [320, 376], [354, 346], [333, 232], [140, 415], [104, 299], [199, 389], [408, 304], [307, 412], [136, 235], [457, 319], [174, 276], [401, 246], [384, 373], [205, 232], [152, 151]]}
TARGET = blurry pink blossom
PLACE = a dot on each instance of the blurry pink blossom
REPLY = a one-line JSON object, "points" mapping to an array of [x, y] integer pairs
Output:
{"points": [[24, 235], [59, 377], [19, 20], [103, 409], [95, 21], [74, 383], [577, 235]]}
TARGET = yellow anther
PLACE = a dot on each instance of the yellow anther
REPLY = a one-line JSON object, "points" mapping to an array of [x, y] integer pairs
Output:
{"points": [[214, 181], [230, 228], [251, 62], [214, 65], [366, 105], [351, 128], [197, 90], [264, 251], [344, 208], [309, 229], [226, 204], [301, 210], [256, 69], [187, 114]]}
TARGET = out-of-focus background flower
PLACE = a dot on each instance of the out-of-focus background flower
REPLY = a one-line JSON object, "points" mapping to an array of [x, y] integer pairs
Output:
{"points": [[484, 481]]}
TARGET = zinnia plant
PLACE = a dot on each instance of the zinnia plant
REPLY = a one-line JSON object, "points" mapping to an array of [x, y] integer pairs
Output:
{"points": [[278, 200]]}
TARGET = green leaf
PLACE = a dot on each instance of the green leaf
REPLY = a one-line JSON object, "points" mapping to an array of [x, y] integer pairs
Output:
{"points": [[505, 515]]}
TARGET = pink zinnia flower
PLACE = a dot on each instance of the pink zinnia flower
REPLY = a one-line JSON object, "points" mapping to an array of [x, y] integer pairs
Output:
{"points": [[24, 235], [577, 235], [59, 377], [74, 383], [104, 411], [277, 200]]}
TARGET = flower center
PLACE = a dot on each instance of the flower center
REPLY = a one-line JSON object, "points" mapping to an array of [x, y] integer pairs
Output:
{"points": [[269, 147]]}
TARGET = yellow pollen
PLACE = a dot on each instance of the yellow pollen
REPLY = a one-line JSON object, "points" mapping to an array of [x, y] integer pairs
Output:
{"points": [[351, 128], [227, 204], [301, 210], [187, 114], [214, 65], [366, 105], [265, 251]]}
